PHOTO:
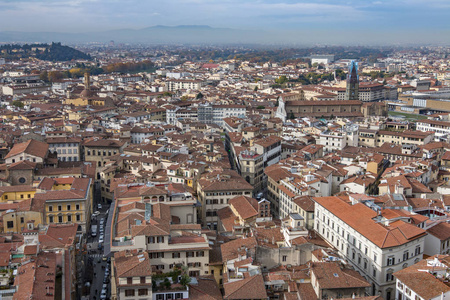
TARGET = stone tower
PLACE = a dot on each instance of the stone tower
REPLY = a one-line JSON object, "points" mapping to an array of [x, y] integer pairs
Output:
{"points": [[352, 91]]}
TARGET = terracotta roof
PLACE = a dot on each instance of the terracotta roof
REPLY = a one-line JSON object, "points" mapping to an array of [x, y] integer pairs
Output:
{"points": [[418, 279], [360, 218], [31, 147], [205, 289], [129, 265], [232, 249], [248, 288], [246, 207], [330, 276], [58, 236], [306, 291], [440, 230], [305, 203]]}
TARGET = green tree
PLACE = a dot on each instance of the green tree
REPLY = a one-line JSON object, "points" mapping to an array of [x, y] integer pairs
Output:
{"points": [[44, 76], [185, 280], [256, 88], [260, 107], [18, 103], [199, 96], [167, 283], [281, 80]]}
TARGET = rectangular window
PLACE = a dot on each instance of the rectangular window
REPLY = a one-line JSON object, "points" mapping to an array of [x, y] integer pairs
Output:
{"points": [[10, 224], [129, 293], [60, 219], [69, 218], [50, 208], [68, 207], [22, 220], [390, 261], [78, 217], [405, 255], [143, 279], [417, 251], [129, 280], [284, 257], [77, 207], [176, 255], [59, 207], [142, 292]]}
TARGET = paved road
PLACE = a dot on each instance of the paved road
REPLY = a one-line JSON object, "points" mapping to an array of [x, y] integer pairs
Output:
{"points": [[94, 257]]}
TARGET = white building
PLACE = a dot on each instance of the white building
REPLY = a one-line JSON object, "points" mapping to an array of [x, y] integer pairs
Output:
{"points": [[214, 114], [373, 246], [308, 185], [337, 140], [426, 280], [440, 128], [184, 84], [67, 149]]}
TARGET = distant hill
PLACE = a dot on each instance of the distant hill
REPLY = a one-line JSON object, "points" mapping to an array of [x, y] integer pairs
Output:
{"points": [[183, 34], [49, 52]]}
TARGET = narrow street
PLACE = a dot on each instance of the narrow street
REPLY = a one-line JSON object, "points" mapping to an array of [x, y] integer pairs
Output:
{"points": [[95, 261]]}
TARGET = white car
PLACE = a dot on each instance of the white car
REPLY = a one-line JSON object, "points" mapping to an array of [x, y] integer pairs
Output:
{"points": [[103, 294], [99, 206], [96, 213]]}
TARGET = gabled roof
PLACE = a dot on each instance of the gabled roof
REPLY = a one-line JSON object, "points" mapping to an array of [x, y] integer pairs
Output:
{"points": [[248, 288], [246, 207], [128, 265], [232, 249], [330, 276], [31, 147], [205, 289], [423, 283]]}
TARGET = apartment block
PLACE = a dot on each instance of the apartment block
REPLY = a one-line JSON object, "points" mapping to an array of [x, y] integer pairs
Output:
{"points": [[375, 248]]}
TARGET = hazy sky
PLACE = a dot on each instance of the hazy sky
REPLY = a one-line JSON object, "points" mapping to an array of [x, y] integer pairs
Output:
{"points": [[380, 17]]}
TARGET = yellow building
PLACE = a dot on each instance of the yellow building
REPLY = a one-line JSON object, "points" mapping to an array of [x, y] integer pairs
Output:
{"points": [[98, 150], [67, 200], [16, 192], [17, 221]]}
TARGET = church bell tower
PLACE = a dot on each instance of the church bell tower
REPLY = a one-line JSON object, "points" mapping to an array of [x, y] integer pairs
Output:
{"points": [[352, 91]]}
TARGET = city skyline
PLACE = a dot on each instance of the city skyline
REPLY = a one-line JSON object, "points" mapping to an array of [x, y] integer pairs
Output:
{"points": [[340, 22]]}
